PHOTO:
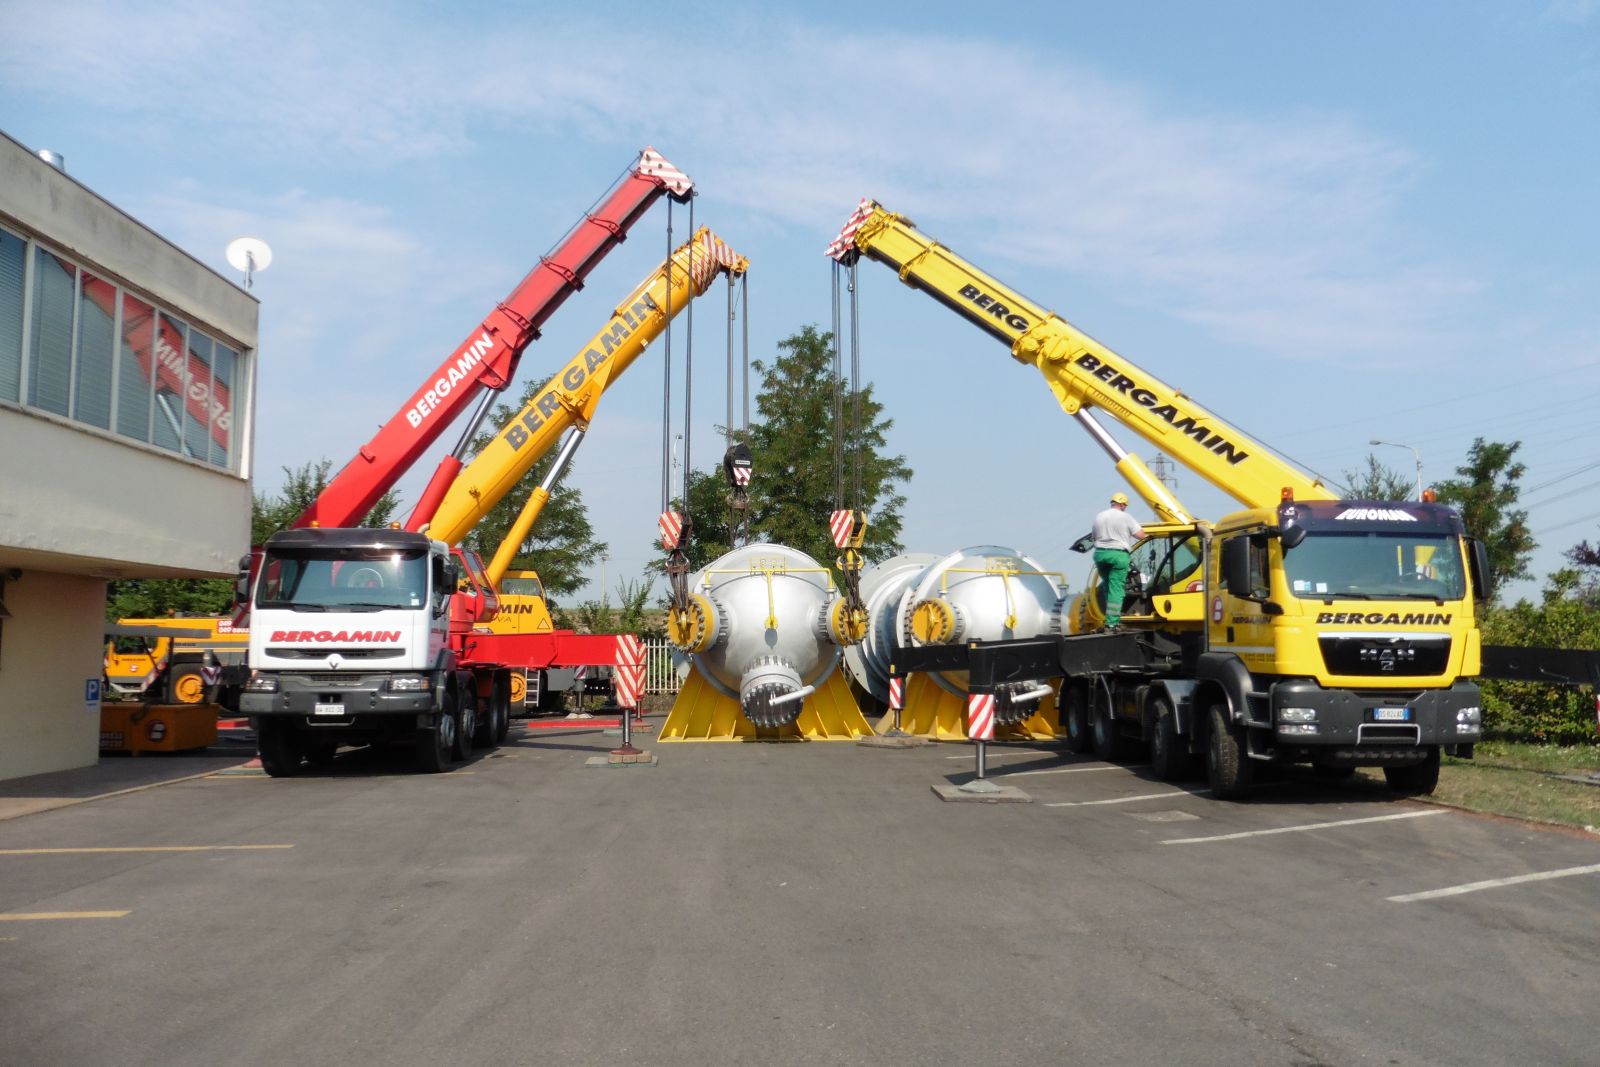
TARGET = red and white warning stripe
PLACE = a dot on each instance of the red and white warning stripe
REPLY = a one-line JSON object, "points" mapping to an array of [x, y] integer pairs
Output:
{"points": [[980, 716], [653, 164], [711, 254], [627, 681], [741, 475], [846, 241], [896, 693], [671, 524], [580, 673], [630, 650], [841, 523], [211, 674]]}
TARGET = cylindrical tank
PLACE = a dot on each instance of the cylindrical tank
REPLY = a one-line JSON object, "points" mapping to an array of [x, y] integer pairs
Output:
{"points": [[882, 586], [757, 629], [983, 593]]}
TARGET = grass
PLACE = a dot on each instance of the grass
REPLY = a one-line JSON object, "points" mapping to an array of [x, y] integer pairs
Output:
{"points": [[1521, 781]]}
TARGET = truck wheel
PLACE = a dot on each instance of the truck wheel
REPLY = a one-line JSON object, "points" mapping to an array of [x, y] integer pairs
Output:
{"points": [[1227, 766], [435, 746], [279, 748], [1169, 752], [1107, 739], [187, 687], [1416, 780], [502, 710], [466, 723], [1075, 717]]}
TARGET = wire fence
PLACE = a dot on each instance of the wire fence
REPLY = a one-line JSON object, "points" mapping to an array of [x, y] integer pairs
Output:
{"points": [[660, 670]]}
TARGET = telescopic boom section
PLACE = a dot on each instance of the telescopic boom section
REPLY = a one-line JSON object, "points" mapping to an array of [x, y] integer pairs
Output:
{"points": [[568, 400], [1081, 371], [488, 358]]}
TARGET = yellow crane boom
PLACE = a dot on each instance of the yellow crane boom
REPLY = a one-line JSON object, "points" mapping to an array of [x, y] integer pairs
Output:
{"points": [[1081, 372], [569, 399]]}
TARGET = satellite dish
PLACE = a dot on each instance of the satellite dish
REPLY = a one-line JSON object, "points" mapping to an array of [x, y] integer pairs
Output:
{"points": [[248, 254]]}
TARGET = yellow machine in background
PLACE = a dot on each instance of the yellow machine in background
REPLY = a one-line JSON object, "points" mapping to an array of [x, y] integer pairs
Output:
{"points": [[168, 660]]}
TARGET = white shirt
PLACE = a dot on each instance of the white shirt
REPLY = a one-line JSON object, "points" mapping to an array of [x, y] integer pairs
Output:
{"points": [[1115, 528]]}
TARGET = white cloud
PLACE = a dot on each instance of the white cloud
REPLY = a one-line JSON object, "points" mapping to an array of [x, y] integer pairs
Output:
{"points": [[1270, 230]]}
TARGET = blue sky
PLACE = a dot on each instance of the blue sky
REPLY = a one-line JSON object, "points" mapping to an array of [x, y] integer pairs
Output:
{"points": [[1328, 223]]}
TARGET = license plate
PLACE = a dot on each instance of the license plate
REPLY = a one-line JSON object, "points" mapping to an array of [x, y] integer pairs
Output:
{"points": [[330, 709], [1391, 714]]}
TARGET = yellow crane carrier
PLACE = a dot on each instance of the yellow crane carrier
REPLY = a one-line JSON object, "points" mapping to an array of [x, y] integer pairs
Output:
{"points": [[1304, 628]]}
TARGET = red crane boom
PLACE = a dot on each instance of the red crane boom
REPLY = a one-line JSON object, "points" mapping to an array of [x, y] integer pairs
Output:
{"points": [[487, 359]]}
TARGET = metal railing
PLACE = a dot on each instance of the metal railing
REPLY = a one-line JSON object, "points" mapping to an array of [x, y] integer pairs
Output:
{"points": [[660, 670]]}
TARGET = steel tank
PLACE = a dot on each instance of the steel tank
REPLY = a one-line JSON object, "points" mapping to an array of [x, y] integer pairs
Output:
{"points": [[757, 629], [981, 593], [882, 586]]}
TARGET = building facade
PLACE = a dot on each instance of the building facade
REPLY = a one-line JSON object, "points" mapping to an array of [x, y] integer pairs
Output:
{"points": [[127, 369]]}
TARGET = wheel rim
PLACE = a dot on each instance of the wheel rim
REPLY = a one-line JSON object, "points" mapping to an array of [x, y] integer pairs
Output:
{"points": [[189, 689]]}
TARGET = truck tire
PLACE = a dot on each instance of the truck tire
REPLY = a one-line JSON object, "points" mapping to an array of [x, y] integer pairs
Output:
{"points": [[502, 705], [1169, 751], [466, 722], [1075, 718], [1227, 766], [492, 719], [1107, 738], [436, 746], [187, 685], [279, 748], [1417, 779]]}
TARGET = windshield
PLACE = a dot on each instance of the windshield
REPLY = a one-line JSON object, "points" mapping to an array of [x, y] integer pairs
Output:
{"points": [[343, 579], [1376, 566], [521, 586]]}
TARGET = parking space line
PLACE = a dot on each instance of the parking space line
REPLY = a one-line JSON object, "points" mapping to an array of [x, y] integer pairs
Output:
{"points": [[135, 848], [1494, 883], [1063, 770], [35, 916], [1129, 800], [1298, 829]]}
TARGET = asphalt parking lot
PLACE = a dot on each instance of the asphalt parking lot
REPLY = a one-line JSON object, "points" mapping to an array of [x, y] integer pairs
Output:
{"points": [[786, 903]]}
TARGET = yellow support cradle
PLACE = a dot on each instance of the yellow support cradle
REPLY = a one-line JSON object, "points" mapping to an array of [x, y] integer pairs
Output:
{"points": [[934, 712], [700, 713]]}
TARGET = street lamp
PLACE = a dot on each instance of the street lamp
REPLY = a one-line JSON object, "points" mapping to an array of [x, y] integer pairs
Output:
{"points": [[1414, 455]]}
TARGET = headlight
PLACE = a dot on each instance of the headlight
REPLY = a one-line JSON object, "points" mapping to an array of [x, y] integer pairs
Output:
{"points": [[1472, 715], [261, 683], [409, 683], [1297, 715]]}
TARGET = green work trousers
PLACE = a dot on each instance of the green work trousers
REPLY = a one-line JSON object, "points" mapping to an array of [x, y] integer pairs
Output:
{"points": [[1112, 564]]}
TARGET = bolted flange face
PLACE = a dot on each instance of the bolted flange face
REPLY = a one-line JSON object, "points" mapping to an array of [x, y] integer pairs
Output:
{"points": [[933, 621], [696, 627], [768, 678]]}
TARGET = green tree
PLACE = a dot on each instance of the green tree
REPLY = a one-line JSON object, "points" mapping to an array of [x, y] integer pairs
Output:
{"points": [[1486, 495], [1377, 482], [561, 546], [792, 491], [633, 615], [301, 487]]}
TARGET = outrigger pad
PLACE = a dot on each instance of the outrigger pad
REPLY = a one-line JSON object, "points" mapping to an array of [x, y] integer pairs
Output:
{"points": [[702, 714], [933, 712]]}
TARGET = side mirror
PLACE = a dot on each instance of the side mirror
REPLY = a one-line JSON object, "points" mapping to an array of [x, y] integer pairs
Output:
{"points": [[1084, 543], [1482, 579], [1291, 536], [241, 582], [1236, 567]]}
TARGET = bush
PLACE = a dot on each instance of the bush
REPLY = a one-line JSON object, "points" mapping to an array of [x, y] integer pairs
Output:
{"points": [[1533, 711]]}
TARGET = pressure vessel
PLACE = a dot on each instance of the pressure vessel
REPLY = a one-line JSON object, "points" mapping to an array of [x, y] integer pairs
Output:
{"points": [[982, 593], [758, 629]]}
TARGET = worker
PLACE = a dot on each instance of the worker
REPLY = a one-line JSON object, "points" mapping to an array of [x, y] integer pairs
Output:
{"points": [[1115, 533]]}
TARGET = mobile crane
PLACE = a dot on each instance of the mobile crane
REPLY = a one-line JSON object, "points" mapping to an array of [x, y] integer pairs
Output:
{"points": [[1262, 637], [363, 634]]}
